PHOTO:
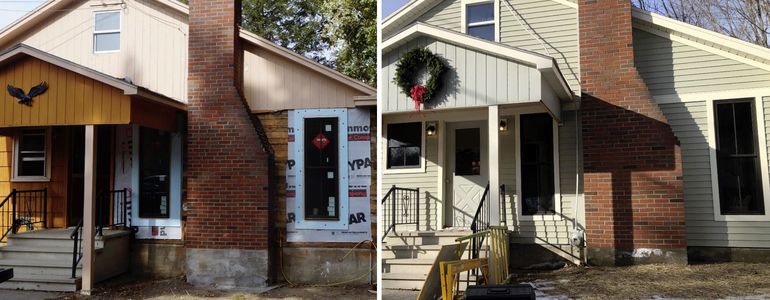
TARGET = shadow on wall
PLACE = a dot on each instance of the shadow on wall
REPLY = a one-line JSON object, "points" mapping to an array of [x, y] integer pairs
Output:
{"points": [[633, 184], [540, 250]]}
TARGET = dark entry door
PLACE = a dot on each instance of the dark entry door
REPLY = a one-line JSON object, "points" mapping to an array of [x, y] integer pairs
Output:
{"points": [[77, 174], [321, 169]]}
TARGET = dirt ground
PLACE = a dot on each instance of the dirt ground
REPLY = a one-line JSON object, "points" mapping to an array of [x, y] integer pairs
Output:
{"points": [[128, 288], [706, 281]]}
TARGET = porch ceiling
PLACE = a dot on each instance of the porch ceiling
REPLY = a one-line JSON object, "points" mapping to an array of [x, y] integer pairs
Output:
{"points": [[482, 73], [76, 95]]}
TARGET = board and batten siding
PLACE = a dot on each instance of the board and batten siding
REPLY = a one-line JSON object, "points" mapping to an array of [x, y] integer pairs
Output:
{"points": [[474, 79], [669, 67], [553, 24], [153, 40], [554, 231], [690, 124], [272, 82]]}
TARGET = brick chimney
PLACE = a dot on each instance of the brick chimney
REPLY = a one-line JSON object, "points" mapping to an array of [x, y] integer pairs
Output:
{"points": [[633, 168], [226, 205]]}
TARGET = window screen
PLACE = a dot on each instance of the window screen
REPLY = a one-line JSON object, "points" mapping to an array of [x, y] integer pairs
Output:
{"points": [[322, 169], [480, 20], [154, 173], [740, 189], [31, 153], [404, 145], [107, 31], [537, 182]]}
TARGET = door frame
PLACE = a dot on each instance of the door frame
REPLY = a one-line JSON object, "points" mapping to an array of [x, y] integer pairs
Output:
{"points": [[447, 215]]}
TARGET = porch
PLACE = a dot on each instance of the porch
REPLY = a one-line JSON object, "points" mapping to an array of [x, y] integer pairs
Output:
{"points": [[78, 162]]}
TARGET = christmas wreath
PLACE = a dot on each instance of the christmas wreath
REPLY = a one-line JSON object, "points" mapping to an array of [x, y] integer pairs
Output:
{"points": [[406, 75]]}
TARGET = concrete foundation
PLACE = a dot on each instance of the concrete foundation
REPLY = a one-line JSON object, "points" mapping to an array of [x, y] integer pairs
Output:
{"points": [[227, 268], [622, 257], [327, 265], [719, 254], [159, 259]]}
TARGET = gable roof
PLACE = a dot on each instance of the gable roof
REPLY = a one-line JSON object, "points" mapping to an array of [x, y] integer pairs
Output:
{"points": [[545, 64], [20, 50], [50, 7]]}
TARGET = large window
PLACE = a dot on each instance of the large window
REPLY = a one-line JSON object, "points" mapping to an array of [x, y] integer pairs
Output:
{"points": [[738, 167], [31, 155], [154, 173], [107, 31], [480, 20], [404, 145], [322, 169], [537, 164]]}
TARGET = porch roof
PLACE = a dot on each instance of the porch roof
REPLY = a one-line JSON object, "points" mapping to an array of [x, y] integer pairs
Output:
{"points": [[76, 95], [484, 71]]}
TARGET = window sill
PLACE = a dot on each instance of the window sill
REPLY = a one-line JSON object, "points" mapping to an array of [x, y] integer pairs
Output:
{"points": [[741, 218], [553, 217], [30, 179], [415, 170]]}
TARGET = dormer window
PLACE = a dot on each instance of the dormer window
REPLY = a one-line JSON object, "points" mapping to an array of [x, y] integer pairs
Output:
{"points": [[480, 20], [107, 32]]}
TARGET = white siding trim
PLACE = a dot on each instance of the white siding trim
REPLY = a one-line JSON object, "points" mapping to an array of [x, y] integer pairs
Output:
{"points": [[760, 123]]}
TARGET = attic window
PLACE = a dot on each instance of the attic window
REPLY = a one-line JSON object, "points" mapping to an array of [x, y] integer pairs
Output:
{"points": [[480, 20], [107, 32]]}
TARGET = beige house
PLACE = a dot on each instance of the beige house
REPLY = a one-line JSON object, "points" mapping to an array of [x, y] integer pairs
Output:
{"points": [[101, 154], [535, 125]]}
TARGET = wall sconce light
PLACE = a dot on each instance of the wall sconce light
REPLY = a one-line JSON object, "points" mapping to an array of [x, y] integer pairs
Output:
{"points": [[430, 129], [503, 125]]}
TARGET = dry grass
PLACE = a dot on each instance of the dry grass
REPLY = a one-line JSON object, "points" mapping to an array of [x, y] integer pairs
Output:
{"points": [[707, 281]]}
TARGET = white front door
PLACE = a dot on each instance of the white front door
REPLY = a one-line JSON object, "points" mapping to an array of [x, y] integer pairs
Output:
{"points": [[467, 171]]}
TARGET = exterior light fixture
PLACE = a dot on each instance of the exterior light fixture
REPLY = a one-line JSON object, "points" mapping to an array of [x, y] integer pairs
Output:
{"points": [[503, 125], [430, 129]]}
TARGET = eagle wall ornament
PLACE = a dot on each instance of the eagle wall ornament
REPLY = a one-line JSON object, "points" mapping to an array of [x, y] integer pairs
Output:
{"points": [[26, 99]]}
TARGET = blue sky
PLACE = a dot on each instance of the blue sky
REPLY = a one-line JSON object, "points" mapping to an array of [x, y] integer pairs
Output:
{"points": [[10, 10], [388, 6]]}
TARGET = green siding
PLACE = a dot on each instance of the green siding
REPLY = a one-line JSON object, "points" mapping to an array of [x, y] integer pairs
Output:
{"points": [[670, 67], [556, 27], [689, 122], [446, 15], [476, 79]]}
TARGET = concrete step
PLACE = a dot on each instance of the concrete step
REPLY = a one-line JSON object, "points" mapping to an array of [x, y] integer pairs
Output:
{"points": [[410, 251], [22, 268], [414, 281], [407, 265], [38, 253], [425, 237], [42, 283]]}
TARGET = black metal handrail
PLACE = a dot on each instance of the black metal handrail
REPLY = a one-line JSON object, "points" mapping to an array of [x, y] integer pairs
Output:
{"points": [[481, 222], [77, 247], [111, 210], [23, 208], [404, 200]]}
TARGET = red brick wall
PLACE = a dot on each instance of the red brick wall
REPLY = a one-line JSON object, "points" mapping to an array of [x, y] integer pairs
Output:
{"points": [[226, 168], [633, 170]]}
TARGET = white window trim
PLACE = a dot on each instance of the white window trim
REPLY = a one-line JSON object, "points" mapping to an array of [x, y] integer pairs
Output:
{"points": [[556, 178], [118, 31], [406, 170], [15, 163], [762, 144], [464, 26], [299, 157]]}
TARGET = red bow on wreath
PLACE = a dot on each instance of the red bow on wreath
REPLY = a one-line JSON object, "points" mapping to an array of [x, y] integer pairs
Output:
{"points": [[417, 91]]}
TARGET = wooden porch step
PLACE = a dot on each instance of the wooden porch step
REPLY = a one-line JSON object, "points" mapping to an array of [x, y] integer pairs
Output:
{"points": [[44, 282]]}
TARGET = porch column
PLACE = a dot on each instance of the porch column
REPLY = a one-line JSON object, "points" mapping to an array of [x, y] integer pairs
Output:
{"points": [[89, 191], [494, 166]]}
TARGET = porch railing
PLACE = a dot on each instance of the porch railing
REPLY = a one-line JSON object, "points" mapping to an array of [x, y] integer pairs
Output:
{"points": [[481, 223], [27, 208], [401, 207], [111, 209]]}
